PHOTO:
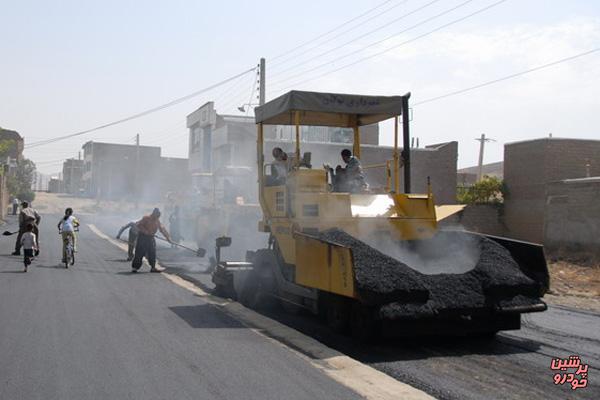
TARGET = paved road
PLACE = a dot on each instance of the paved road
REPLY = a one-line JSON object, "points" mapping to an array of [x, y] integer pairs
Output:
{"points": [[95, 331], [515, 365]]}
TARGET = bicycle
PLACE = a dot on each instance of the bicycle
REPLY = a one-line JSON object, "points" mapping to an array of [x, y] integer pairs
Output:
{"points": [[69, 249]]}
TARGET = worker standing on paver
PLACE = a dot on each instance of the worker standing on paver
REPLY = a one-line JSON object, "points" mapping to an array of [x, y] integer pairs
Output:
{"points": [[27, 216], [280, 166], [146, 244], [353, 175], [131, 239]]}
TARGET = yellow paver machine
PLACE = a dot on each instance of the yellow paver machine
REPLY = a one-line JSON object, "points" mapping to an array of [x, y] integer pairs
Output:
{"points": [[374, 262]]}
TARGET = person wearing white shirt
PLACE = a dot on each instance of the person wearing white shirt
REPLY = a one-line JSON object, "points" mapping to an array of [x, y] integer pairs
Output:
{"points": [[67, 227]]}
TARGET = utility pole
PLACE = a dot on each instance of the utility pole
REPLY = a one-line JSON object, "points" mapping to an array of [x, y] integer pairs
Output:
{"points": [[481, 141], [71, 176], [262, 87], [137, 169]]}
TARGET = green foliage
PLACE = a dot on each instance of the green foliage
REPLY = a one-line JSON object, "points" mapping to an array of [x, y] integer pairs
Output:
{"points": [[19, 183], [5, 148], [490, 190]]}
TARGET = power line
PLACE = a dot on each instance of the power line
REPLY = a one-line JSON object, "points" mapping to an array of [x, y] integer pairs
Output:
{"points": [[329, 51], [276, 64], [396, 46], [418, 24], [141, 114], [507, 77], [234, 88], [330, 31], [252, 94], [237, 98]]}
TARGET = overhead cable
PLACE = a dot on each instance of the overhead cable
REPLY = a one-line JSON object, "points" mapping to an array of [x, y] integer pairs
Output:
{"points": [[330, 31], [439, 28], [507, 77], [141, 114]]}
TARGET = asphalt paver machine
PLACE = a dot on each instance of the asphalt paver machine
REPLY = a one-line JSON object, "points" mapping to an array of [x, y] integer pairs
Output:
{"points": [[374, 262]]}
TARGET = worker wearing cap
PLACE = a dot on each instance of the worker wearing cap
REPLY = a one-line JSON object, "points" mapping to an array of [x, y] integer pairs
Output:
{"points": [[146, 244], [27, 216]]}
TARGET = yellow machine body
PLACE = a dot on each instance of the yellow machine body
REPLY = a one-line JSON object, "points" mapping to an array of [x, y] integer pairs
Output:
{"points": [[294, 213]]}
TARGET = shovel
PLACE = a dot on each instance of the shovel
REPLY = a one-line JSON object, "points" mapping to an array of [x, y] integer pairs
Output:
{"points": [[200, 252], [7, 233]]}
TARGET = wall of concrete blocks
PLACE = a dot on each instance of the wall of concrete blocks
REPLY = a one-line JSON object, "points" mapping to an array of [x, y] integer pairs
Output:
{"points": [[481, 218], [572, 223], [529, 166]]}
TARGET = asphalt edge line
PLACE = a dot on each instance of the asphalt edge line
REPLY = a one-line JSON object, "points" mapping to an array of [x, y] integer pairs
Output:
{"points": [[361, 378]]}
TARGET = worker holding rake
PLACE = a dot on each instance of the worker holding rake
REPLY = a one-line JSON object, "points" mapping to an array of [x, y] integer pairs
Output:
{"points": [[146, 243]]}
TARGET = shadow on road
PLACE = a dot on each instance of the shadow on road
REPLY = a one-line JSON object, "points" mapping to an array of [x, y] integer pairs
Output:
{"points": [[56, 266], [205, 316], [442, 346]]}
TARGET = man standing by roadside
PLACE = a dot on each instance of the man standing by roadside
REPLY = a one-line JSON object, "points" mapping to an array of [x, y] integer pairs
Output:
{"points": [[146, 244], [27, 216]]}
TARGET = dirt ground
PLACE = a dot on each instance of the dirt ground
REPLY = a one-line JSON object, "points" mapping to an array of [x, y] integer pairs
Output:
{"points": [[574, 285]]}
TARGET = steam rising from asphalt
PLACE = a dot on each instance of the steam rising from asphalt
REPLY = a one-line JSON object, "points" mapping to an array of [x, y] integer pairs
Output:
{"points": [[446, 253]]}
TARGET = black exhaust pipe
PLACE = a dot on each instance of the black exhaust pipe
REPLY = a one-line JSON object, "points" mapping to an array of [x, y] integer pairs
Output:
{"points": [[406, 140]]}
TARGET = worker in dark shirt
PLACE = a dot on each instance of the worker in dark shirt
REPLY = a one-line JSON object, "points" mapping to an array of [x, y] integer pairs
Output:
{"points": [[27, 216], [146, 244], [131, 239]]}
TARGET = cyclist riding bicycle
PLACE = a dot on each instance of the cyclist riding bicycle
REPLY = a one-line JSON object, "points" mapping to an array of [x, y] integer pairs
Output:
{"points": [[67, 227]]}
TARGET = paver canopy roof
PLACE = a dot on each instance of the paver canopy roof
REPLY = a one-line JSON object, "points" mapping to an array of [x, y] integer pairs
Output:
{"points": [[328, 109]]}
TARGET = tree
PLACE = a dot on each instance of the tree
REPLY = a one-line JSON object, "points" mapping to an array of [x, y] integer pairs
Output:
{"points": [[6, 147], [490, 190], [19, 183]]}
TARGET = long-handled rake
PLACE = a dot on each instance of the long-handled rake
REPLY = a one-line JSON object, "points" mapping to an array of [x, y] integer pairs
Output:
{"points": [[200, 252]]}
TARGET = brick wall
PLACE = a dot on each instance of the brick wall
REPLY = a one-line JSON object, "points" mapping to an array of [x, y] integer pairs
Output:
{"points": [[482, 218], [529, 166], [572, 220]]}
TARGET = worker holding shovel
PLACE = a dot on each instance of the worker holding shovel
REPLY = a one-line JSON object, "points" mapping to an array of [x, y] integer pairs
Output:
{"points": [[146, 244]]}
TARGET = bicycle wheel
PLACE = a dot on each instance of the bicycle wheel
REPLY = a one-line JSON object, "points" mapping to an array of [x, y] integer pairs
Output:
{"points": [[68, 253]]}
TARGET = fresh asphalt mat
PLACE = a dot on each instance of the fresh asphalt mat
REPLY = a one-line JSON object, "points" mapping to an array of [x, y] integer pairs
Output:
{"points": [[96, 331]]}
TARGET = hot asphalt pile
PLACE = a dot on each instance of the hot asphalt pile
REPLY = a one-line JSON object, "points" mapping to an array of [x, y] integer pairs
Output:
{"points": [[378, 277], [405, 293]]}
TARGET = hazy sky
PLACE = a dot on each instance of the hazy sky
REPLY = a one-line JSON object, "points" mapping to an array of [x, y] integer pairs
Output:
{"points": [[66, 66]]}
